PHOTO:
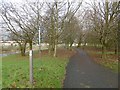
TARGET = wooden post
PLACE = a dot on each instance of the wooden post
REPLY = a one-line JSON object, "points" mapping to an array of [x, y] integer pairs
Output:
{"points": [[1, 70], [31, 66]]}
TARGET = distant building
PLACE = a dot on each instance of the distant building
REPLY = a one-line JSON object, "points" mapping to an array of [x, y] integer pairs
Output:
{"points": [[9, 43]]}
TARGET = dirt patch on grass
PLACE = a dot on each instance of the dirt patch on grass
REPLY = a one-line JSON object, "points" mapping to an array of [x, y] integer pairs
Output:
{"points": [[65, 53]]}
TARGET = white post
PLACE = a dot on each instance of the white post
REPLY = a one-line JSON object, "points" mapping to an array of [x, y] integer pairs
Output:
{"points": [[31, 66], [39, 42]]}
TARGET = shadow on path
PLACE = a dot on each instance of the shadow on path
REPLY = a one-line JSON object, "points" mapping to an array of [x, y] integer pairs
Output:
{"points": [[82, 72]]}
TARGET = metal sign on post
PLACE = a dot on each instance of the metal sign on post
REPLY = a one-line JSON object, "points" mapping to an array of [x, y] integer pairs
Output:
{"points": [[31, 65]]}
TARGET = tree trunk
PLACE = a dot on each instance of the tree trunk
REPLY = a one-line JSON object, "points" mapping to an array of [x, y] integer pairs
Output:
{"points": [[30, 44], [51, 49], [49, 52], [116, 49], [83, 47], [55, 48], [103, 51], [79, 44], [22, 48], [22, 51], [71, 44]]}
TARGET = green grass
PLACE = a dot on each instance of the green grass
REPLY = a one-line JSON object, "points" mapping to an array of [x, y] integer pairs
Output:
{"points": [[99, 52], [111, 65], [107, 63], [49, 72]]}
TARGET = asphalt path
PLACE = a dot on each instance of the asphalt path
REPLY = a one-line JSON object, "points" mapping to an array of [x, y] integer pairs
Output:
{"points": [[83, 72]]}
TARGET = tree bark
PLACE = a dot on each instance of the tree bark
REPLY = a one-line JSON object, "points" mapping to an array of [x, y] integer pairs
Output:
{"points": [[79, 44], [30, 44], [22, 51], [22, 48], [116, 49], [103, 51], [55, 48], [49, 52], [71, 43]]}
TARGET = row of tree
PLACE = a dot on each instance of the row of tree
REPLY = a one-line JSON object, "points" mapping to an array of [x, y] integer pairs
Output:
{"points": [[62, 22], [104, 25]]}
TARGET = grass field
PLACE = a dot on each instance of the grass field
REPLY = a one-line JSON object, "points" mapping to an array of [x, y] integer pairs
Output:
{"points": [[111, 60], [49, 72]]}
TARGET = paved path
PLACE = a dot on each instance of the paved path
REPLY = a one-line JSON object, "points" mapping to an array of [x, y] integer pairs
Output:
{"points": [[82, 72]]}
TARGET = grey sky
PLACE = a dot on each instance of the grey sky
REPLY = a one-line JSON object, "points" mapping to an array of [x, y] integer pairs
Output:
{"points": [[19, 2]]}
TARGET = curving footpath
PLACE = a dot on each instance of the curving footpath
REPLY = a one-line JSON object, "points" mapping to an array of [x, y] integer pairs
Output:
{"points": [[82, 72]]}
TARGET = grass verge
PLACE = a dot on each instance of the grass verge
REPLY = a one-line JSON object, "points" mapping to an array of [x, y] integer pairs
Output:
{"points": [[110, 62], [48, 71]]}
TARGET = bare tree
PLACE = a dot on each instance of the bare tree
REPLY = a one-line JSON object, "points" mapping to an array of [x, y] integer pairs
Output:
{"points": [[103, 17], [22, 21], [56, 16], [10, 26], [72, 31]]}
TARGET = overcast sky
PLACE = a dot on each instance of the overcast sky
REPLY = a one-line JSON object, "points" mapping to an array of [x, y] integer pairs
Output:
{"points": [[22, 1]]}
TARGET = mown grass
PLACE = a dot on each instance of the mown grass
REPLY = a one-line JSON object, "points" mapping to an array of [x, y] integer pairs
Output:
{"points": [[110, 62], [48, 71], [111, 65]]}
